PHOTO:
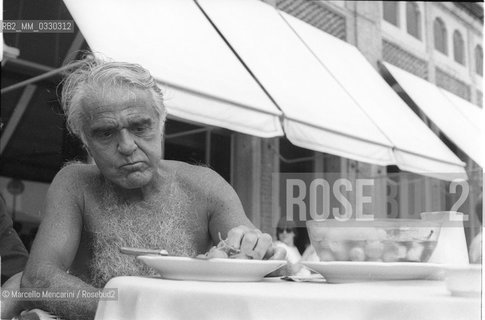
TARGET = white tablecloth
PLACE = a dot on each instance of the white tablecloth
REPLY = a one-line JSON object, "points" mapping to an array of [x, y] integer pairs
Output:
{"points": [[153, 298]]}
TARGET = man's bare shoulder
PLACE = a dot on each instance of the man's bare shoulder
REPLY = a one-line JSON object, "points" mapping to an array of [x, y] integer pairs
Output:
{"points": [[78, 170], [72, 184], [198, 176], [77, 174]]}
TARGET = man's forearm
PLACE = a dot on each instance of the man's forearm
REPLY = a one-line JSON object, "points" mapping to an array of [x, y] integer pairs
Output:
{"points": [[54, 279]]}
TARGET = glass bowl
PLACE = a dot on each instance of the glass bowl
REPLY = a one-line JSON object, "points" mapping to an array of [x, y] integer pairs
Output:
{"points": [[383, 240]]}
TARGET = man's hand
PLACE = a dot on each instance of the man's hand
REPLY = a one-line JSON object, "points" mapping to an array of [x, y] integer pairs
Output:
{"points": [[254, 243]]}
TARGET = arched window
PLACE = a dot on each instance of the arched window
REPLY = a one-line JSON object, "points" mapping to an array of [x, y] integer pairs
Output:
{"points": [[439, 32], [391, 12], [479, 60], [413, 19], [458, 47]]}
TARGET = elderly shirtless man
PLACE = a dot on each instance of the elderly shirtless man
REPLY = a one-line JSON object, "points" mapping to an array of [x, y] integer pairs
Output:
{"points": [[129, 197]]}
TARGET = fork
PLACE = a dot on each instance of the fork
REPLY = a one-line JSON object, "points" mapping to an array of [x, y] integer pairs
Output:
{"points": [[140, 252]]}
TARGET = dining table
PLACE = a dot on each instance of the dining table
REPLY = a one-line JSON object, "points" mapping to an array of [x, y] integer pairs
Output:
{"points": [[279, 298]]}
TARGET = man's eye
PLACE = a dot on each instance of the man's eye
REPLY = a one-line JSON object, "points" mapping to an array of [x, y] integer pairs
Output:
{"points": [[103, 134], [140, 129]]}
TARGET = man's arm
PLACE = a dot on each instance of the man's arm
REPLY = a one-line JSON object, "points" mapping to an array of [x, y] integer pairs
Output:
{"points": [[226, 215], [56, 245], [225, 209]]}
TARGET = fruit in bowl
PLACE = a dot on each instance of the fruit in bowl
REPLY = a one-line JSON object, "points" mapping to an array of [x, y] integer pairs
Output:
{"points": [[383, 240]]}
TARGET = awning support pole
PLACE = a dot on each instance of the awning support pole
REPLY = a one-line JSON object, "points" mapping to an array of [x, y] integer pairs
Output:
{"points": [[41, 77], [208, 147], [74, 48]]}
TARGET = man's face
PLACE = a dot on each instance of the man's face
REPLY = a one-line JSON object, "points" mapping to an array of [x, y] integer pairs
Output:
{"points": [[123, 136]]}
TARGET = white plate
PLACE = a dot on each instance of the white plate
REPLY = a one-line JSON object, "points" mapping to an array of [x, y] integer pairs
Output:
{"points": [[182, 268], [345, 271]]}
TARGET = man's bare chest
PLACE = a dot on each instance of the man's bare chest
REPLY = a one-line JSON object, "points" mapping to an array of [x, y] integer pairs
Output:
{"points": [[103, 206]]}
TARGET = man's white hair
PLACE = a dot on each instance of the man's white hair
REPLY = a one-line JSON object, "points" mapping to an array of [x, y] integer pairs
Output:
{"points": [[96, 74]]}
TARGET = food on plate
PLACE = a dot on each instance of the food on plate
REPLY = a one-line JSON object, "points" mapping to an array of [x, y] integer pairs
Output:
{"points": [[357, 254], [374, 249], [224, 250], [387, 240], [393, 252], [339, 250], [325, 255], [215, 252], [415, 252]]}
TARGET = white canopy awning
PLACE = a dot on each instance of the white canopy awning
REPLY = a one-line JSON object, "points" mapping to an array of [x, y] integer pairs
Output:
{"points": [[458, 119], [473, 113], [202, 78], [416, 148], [332, 99], [318, 113]]}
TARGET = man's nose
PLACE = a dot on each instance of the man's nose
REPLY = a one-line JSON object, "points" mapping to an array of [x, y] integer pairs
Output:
{"points": [[126, 143]]}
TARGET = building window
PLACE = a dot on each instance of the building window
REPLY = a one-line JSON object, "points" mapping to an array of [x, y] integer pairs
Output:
{"points": [[391, 12], [439, 32], [479, 60], [198, 145], [413, 20], [458, 47]]}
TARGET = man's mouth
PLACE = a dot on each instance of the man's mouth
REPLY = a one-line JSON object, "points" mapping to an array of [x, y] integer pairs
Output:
{"points": [[133, 166]]}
